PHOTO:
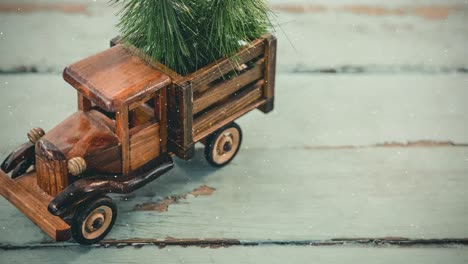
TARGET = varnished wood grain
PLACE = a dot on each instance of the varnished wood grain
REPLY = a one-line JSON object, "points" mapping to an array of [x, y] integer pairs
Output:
{"points": [[180, 120], [30, 201], [52, 175], [144, 146], [224, 89], [82, 133], [203, 77], [239, 104], [114, 77]]}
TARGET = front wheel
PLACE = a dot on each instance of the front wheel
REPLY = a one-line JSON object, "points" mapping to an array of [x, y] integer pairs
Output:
{"points": [[93, 220], [223, 145]]}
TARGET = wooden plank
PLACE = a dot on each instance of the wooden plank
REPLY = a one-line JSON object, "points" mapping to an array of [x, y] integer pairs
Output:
{"points": [[332, 110], [217, 117], [297, 194], [223, 90], [208, 74], [346, 38], [263, 254], [32, 205], [340, 110], [313, 110]]}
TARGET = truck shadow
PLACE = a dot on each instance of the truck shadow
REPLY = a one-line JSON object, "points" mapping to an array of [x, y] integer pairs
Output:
{"points": [[184, 178]]}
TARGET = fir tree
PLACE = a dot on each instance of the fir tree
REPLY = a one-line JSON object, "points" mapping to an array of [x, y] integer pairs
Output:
{"points": [[185, 35]]}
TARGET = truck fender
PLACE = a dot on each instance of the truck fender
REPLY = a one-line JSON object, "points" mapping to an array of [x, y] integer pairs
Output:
{"points": [[24, 152], [88, 188]]}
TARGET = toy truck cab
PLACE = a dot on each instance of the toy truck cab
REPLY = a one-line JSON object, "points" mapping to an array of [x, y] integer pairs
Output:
{"points": [[133, 116], [130, 96]]}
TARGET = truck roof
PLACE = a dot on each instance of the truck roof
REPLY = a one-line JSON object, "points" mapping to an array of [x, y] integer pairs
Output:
{"points": [[114, 78]]}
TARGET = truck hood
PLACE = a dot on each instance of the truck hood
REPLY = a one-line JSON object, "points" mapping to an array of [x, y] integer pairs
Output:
{"points": [[84, 134]]}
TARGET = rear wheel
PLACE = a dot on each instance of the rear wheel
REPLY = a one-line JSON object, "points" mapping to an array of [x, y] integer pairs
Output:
{"points": [[223, 145], [93, 220]]}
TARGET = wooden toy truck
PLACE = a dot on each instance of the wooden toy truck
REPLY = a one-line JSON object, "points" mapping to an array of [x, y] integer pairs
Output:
{"points": [[133, 116]]}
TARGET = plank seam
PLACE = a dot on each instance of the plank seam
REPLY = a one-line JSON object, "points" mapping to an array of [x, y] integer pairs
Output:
{"points": [[217, 243], [295, 69]]}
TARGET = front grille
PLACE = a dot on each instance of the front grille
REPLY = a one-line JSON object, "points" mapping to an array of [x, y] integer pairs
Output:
{"points": [[51, 168], [52, 175]]}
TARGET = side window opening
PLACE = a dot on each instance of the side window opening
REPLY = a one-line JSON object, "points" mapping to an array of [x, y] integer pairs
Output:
{"points": [[145, 114], [110, 115]]}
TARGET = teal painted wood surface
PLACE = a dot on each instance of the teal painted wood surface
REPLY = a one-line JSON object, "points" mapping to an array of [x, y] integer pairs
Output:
{"points": [[331, 37], [270, 254], [311, 110], [369, 139], [280, 187]]}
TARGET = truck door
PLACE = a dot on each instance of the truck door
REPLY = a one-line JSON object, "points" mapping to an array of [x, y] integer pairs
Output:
{"points": [[147, 129]]}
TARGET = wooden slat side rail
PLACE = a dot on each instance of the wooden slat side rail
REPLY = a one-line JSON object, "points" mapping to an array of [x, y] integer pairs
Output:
{"points": [[31, 203], [205, 75], [225, 113], [223, 90], [208, 74], [270, 74]]}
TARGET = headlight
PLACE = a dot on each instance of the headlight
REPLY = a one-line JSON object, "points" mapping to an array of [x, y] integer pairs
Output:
{"points": [[35, 134], [76, 166]]}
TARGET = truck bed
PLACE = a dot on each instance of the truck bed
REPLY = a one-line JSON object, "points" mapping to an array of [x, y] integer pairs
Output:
{"points": [[217, 94]]}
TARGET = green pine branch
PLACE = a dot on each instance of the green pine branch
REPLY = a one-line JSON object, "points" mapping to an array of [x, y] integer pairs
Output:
{"points": [[186, 35]]}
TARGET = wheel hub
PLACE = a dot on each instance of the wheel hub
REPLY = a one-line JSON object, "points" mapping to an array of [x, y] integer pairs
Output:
{"points": [[226, 145], [97, 222]]}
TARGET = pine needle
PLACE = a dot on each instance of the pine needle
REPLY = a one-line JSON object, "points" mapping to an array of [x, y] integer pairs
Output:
{"points": [[186, 35]]}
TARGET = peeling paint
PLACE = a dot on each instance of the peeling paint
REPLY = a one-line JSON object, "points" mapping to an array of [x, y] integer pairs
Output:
{"points": [[163, 205], [203, 191], [433, 12], [31, 8]]}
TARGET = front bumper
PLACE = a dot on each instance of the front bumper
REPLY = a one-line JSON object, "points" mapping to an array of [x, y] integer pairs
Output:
{"points": [[25, 194]]}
